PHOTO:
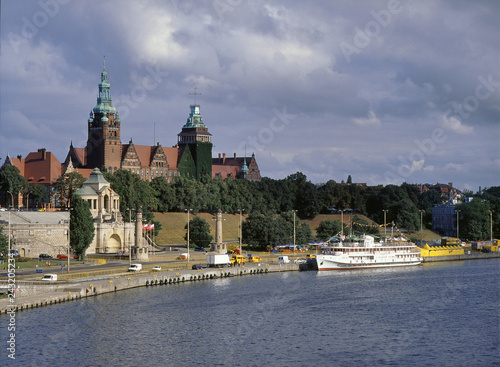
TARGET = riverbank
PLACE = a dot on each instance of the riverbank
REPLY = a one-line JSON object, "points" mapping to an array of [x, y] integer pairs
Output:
{"points": [[34, 294], [31, 294], [473, 255]]}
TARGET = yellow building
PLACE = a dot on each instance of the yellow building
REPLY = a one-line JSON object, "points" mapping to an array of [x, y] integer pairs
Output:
{"points": [[428, 251]]}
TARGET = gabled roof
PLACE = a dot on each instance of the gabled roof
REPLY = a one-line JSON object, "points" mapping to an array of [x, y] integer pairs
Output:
{"points": [[16, 162], [172, 155], [144, 152]]}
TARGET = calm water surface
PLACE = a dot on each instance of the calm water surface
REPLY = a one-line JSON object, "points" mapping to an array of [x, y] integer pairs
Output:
{"points": [[442, 314]]}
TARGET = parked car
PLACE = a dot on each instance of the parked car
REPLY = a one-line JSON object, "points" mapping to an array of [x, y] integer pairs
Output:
{"points": [[156, 268], [200, 249], [197, 266], [63, 256], [14, 253], [44, 257]]}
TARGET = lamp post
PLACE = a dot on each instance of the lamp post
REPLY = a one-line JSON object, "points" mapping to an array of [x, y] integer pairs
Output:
{"points": [[8, 250], [129, 242], [421, 227], [12, 196], [491, 227], [188, 210], [385, 225], [69, 236], [241, 228], [342, 224], [28, 200], [294, 211]]}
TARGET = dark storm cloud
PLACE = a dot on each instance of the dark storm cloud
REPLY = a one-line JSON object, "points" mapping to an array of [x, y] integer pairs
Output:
{"points": [[368, 84]]}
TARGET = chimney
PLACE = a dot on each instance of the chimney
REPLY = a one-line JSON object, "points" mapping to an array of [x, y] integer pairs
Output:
{"points": [[19, 157], [43, 151], [223, 158], [234, 155]]}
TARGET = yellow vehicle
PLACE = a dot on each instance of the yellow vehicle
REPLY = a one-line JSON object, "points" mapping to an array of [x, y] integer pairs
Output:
{"points": [[238, 259], [254, 259], [310, 256]]}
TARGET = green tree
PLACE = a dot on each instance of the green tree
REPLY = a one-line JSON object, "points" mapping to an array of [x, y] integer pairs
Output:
{"points": [[256, 231], [38, 193], [199, 232], [11, 182], [134, 193], [474, 220], [81, 226], [304, 234], [66, 185], [163, 194], [327, 229], [349, 179], [4, 242]]}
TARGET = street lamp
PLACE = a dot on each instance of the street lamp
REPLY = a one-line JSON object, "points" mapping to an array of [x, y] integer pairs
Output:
{"points": [[342, 224], [8, 253], [12, 198], [421, 227], [241, 227], [129, 242], [69, 236], [294, 211], [188, 210], [385, 225], [28, 200], [491, 227]]}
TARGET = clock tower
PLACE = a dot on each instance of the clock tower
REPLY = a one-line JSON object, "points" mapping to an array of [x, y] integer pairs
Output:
{"points": [[103, 143]]}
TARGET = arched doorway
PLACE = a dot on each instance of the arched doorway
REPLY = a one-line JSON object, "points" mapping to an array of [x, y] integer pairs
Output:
{"points": [[114, 243]]}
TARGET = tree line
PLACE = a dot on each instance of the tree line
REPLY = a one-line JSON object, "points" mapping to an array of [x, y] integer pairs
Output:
{"points": [[275, 199]]}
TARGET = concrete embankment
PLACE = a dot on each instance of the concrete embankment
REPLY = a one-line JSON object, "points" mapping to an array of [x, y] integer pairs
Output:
{"points": [[472, 256], [34, 294]]}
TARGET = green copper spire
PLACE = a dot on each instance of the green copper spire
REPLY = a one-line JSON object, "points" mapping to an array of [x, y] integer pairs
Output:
{"points": [[194, 119], [104, 104]]}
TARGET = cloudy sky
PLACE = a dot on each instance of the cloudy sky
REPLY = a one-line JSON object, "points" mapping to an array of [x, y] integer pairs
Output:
{"points": [[384, 91]]}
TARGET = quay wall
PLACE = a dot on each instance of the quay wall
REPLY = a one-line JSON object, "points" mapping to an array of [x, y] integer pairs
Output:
{"points": [[34, 294], [471, 256]]}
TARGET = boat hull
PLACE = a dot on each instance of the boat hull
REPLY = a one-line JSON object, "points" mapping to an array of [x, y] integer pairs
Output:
{"points": [[325, 264]]}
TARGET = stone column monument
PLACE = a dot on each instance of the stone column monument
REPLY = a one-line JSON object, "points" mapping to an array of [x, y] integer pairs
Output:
{"points": [[218, 246], [139, 251]]}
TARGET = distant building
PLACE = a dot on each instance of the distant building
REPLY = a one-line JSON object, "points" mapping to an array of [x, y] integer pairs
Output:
{"points": [[445, 190], [444, 219], [35, 233], [190, 157], [112, 233]]}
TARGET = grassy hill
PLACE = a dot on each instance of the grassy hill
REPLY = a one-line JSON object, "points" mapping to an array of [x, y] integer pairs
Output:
{"points": [[173, 225]]}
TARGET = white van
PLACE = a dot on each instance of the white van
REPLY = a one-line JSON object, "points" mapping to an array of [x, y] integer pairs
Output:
{"points": [[135, 267], [50, 277], [283, 260]]}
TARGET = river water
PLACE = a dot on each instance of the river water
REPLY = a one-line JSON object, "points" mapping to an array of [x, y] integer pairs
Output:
{"points": [[440, 314]]}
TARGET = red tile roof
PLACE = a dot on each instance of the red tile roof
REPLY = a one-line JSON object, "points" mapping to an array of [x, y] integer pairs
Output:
{"points": [[42, 168]]}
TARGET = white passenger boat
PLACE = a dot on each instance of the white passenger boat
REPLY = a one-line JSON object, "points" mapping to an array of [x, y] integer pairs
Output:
{"points": [[366, 253]]}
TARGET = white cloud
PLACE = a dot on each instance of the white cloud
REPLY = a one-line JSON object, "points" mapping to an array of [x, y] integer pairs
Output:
{"points": [[372, 120], [453, 124]]}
